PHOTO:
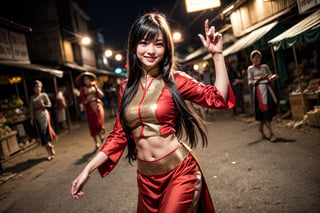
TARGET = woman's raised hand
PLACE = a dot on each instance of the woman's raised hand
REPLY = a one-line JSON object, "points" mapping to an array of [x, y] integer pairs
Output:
{"points": [[213, 41]]}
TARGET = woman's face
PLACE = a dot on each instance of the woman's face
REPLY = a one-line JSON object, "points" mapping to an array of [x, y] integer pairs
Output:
{"points": [[256, 59], [37, 89], [150, 53], [86, 80]]}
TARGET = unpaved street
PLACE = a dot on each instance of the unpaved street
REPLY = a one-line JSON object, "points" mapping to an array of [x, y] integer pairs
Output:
{"points": [[244, 173]]}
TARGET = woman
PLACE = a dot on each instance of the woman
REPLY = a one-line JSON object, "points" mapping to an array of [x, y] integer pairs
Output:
{"points": [[60, 109], [265, 101], [152, 118], [39, 103], [90, 96]]}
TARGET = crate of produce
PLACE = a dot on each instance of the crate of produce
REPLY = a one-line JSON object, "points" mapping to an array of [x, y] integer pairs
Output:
{"points": [[8, 145], [314, 117], [299, 105]]}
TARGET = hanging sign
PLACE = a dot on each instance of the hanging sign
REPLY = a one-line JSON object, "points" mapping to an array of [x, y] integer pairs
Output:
{"points": [[5, 45], [19, 46], [197, 5]]}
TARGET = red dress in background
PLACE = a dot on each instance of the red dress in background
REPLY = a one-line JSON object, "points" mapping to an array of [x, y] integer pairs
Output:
{"points": [[94, 109]]}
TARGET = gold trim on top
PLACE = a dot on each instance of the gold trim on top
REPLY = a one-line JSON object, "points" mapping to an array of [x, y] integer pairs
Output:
{"points": [[150, 93], [163, 165]]}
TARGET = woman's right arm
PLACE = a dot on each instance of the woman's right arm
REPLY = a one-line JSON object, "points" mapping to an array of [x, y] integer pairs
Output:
{"points": [[107, 158], [253, 80], [80, 181]]}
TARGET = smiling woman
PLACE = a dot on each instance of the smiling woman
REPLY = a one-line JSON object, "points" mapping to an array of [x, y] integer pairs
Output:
{"points": [[150, 52], [153, 117]]}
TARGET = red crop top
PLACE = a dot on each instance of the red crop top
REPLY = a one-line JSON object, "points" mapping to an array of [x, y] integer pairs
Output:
{"points": [[153, 112]]}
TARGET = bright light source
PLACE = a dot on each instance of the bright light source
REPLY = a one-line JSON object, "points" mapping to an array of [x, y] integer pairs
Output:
{"points": [[14, 80], [197, 5], [108, 53], [118, 70], [118, 57], [105, 60], [196, 67], [86, 40], [176, 37]]}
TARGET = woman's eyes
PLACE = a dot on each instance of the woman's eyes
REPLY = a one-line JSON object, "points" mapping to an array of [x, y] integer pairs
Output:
{"points": [[143, 42], [160, 43]]}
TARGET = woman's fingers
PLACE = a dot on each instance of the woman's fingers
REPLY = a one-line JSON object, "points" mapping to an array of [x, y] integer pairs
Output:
{"points": [[206, 26], [76, 190], [217, 37], [211, 39], [203, 40]]}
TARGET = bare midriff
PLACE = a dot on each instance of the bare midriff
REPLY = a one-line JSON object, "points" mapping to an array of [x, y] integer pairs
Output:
{"points": [[155, 147]]}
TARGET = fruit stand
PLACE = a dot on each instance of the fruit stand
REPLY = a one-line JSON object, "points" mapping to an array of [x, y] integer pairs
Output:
{"points": [[303, 102], [12, 115]]}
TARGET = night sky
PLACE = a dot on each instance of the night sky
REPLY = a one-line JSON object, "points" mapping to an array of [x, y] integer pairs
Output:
{"points": [[116, 17]]}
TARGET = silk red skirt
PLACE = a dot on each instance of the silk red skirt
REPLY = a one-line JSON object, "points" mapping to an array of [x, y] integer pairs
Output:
{"points": [[95, 118], [180, 189]]}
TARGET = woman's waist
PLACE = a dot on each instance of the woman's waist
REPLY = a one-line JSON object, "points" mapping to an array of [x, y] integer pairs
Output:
{"points": [[164, 164], [155, 147], [93, 100]]}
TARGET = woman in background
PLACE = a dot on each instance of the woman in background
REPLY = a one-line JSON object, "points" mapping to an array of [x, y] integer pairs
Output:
{"points": [[39, 104], [90, 96], [265, 101]]}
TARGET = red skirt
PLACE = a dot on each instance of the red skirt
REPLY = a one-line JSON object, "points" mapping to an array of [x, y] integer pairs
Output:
{"points": [[173, 191], [95, 118]]}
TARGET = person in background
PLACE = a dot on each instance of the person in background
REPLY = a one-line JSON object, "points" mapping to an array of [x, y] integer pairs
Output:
{"points": [[264, 99], [60, 110], [39, 104], [90, 96], [236, 81], [153, 117], [206, 76], [109, 90]]}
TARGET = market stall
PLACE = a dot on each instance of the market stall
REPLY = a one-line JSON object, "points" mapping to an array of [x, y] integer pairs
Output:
{"points": [[305, 96], [16, 132]]}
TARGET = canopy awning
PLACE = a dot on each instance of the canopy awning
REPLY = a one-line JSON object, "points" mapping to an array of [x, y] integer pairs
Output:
{"points": [[90, 69], [74, 67], [305, 30], [31, 66], [247, 40]]}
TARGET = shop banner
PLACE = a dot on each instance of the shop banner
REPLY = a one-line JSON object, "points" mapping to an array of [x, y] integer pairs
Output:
{"points": [[5, 45], [19, 46]]}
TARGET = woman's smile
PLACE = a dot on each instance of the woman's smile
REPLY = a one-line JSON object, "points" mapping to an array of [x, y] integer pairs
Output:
{"points": [[150, 58], [151, 52]]}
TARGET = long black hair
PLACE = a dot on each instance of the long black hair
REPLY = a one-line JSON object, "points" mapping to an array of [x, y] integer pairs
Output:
{"points": [[147, 27]]}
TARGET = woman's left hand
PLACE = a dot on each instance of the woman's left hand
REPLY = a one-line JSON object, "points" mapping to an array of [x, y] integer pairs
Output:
{"points": [[213, 40], [78, 184], [273, 77]]}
